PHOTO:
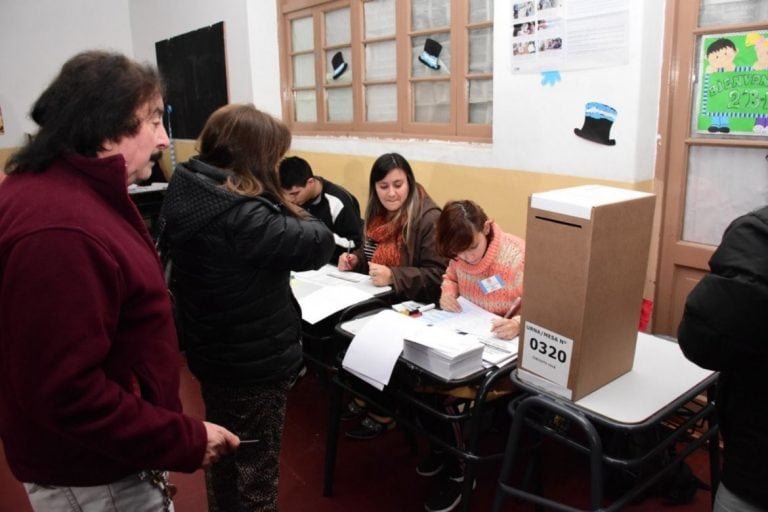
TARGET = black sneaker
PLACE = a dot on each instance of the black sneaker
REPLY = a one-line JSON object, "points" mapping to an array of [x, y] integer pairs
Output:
{"points": [[352, 411], [369, 428], [445, 496], [432, 464]]}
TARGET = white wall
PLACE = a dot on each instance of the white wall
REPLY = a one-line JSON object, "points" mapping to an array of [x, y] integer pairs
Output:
{"points": [[533, 124], [37, 37]]}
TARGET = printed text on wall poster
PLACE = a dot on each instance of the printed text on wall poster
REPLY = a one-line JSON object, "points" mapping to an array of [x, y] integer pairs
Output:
{"points": [[568, 34]]}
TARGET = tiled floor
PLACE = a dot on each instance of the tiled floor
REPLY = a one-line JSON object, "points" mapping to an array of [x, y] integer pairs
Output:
{"points": [[371, 476]]}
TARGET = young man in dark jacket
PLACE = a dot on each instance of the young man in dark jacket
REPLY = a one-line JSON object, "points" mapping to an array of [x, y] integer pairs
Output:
{"points": [[331, 203], [89, 407], [725, 328]]}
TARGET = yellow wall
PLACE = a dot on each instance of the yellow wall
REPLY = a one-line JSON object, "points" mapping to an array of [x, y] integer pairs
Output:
{"points": [[5, 153], [502, 193]]}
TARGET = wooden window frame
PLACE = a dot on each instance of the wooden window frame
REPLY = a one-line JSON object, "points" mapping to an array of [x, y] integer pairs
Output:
{"points": [[458, 127]]}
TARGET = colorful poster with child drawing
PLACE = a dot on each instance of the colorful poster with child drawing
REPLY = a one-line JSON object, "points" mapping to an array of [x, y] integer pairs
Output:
{"points": [[733, 95]]}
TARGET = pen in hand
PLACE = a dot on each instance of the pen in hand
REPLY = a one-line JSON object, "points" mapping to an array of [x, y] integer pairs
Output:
{"points": [[349, 251], [513, 308]]}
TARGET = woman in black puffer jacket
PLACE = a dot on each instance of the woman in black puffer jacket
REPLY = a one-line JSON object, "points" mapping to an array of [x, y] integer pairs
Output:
{"points": [[233, 240]]}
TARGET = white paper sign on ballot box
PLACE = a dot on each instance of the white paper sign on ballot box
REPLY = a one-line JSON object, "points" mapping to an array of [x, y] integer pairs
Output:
{"points": [[547, 354]]}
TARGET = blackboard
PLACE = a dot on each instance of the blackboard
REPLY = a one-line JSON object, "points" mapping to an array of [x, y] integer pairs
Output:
{"points": [[195, 74]]}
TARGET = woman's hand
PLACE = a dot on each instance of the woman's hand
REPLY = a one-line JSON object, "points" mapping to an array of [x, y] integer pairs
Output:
{"points": [[347, 261], [449, 303], [381, 275], [506, 328]]}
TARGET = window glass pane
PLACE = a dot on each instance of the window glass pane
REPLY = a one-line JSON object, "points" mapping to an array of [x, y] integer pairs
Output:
{"points": [[418, 68], [343, 73], [723, 12], [381, 103], [337, 27], [480, 101], [480, 10], [304, 70], [481, 50], [432, 102], [306, 106], [340, 104], [380, 61], [379, 18], [723, 183], [302, 34], [430, 14]]}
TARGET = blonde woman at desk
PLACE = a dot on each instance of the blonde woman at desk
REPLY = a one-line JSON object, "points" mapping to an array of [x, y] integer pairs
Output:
{"points": [[398, 250], [486, 268]]}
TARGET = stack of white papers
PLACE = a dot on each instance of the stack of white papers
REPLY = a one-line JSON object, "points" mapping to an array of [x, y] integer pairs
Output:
{"points": [[477, 322], [444, 352]]}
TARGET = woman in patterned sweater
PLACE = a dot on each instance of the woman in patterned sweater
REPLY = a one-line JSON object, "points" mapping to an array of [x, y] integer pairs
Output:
{"points": [[486, 268], [486, 264]]}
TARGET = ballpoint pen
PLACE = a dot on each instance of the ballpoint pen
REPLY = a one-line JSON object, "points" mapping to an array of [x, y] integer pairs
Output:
{"points": [[513, 308]]}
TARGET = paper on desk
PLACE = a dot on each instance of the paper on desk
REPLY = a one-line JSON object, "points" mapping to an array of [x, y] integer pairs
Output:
{"points": [[476, 321], [327, 300], [328, 275], [374, 350]]}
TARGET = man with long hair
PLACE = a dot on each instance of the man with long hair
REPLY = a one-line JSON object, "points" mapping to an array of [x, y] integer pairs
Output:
{"points": [[89, 410]]}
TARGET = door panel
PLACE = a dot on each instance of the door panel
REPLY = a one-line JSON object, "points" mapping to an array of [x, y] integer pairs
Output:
{"points": [[712, 167]]}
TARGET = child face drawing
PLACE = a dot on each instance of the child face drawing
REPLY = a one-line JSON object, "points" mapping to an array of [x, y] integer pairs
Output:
{"points": [[761, 50], [722, 58]]}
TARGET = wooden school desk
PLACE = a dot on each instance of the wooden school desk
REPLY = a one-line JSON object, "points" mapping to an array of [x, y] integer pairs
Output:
{"points": [[661, 382], [400, 391]]}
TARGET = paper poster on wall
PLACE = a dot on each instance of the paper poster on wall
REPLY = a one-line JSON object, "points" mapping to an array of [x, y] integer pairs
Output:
{"points": [[733, 84], [568, 34]]}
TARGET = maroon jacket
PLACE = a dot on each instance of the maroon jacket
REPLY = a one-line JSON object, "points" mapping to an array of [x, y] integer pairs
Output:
{"points": [[89, 364]]}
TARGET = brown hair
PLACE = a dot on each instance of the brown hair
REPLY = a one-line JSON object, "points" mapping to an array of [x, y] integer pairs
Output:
{"points": [[456, 227], [250, 143], [95, 98]]}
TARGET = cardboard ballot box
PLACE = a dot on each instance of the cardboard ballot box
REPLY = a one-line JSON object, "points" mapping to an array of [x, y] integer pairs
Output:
{"points": [[585, 265]]}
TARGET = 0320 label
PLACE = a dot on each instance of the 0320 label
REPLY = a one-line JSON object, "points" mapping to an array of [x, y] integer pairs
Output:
{"points": [[547, 353]]}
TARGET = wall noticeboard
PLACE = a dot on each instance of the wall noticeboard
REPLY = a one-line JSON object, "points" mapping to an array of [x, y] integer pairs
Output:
{"points": [[195, 74], [733, 90]]}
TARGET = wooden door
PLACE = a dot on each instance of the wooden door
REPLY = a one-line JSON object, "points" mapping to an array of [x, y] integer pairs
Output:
{"points": [[711, 164]]}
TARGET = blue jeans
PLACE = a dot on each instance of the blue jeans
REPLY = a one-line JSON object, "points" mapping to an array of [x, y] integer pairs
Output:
{"points": [[131, 494], [726, 501]]}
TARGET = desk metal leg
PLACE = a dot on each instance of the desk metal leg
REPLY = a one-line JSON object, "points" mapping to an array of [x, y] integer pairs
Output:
{"points": [[595, 454], [714, 447], [332, 437]]}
